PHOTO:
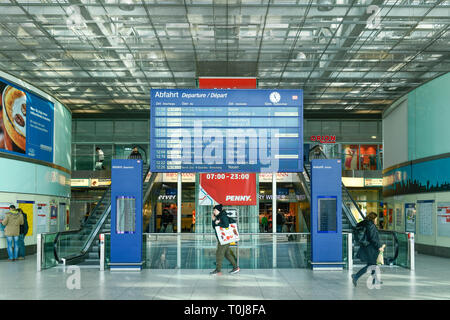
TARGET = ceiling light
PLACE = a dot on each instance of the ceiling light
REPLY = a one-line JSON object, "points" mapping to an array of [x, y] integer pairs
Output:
{"points": [[300, 56], [126, 5], [374, 137]]}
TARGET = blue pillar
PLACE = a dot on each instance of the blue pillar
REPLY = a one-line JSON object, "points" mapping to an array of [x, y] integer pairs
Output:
{"points": [[126, 215], [326, 214]]}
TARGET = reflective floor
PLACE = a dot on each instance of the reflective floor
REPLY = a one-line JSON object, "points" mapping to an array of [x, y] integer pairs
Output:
{"points": [[20, 280]]}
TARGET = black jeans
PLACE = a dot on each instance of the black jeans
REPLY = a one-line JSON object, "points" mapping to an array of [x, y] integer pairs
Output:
{"points": [[363, 271]]}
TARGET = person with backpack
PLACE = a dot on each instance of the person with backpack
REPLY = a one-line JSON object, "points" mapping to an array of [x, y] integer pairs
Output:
{"points": [[221, 219], [23, 232], [366, 234]]}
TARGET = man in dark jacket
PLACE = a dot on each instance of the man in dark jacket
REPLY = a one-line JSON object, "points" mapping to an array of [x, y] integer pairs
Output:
{"points": [[369, 254], [166, 221], [135, 154], [23, 232], [220, 218]]}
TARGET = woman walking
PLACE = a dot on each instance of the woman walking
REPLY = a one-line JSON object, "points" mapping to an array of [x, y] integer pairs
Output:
{"points": [[369, 253]]}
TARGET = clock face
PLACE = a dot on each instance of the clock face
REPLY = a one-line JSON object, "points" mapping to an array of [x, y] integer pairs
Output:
{"points": [[275, 97]]}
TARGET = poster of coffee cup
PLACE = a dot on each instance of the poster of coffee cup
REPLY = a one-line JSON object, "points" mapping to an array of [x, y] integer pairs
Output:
{"points": [[26, 123], [14, 115]]}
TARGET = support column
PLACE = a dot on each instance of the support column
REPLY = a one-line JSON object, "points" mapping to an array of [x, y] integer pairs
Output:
{"points": [[179, 196]]}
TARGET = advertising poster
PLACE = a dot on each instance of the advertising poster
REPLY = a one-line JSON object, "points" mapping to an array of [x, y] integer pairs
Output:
{"points": [[42, 217], [53, 213], [26, 123], [425, 212], [27, 208], [227, 189], [443, 219], [4, 208], [67, 217], [410, 217], [398, 217]]}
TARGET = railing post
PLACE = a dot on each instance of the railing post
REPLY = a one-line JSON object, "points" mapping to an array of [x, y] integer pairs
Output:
{"points": [[411, 252], [274, 219], [102, 252], [350, 250], [39, 252]]}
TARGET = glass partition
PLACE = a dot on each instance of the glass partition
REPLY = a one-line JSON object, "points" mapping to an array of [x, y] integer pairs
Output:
{"points": [[403, 251], [48, 255]]}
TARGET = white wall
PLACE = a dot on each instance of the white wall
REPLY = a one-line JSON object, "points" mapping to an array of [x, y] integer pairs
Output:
{"points": [[395, 134]]}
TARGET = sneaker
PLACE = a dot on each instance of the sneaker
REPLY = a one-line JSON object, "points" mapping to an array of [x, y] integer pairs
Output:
{"points": [[235, 270], [354, 280], [215, 273], [20, 258]]}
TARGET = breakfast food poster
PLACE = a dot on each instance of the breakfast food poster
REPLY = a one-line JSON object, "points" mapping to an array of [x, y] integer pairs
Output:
{"points": [[26, 123], [27, 208]]}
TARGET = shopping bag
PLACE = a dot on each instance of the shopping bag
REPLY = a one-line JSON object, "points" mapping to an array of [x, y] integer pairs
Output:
{"points": [[227, 235], [380, 258]]}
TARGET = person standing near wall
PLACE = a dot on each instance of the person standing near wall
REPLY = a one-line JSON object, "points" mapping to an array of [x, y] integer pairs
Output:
{"points": [[12, 223], [23, 232]]}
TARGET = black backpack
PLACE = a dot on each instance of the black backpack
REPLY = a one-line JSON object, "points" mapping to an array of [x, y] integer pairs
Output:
{"points": [[230, 219], [360, 234]]}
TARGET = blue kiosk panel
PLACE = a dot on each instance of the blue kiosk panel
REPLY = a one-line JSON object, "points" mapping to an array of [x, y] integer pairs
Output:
{"points": [[126, 215], [326, 214]]}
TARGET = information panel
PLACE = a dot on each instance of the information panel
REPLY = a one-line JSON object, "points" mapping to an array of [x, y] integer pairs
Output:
{"points": [[234, 130], [327, 214], [26, 123]]}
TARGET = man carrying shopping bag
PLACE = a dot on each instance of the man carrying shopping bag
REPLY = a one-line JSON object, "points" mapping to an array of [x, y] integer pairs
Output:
{"points": [[220, 218]]}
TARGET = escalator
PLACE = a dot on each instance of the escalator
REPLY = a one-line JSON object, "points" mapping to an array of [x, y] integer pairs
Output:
{"points": [[351, 215], [81, 246]]}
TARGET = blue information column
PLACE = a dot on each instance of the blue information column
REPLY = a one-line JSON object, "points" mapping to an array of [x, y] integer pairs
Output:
{"points": [[126, 215], [326, 214]]}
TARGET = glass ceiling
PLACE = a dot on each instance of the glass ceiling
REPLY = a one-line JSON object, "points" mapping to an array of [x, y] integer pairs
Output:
{"points": [[352, 56]]}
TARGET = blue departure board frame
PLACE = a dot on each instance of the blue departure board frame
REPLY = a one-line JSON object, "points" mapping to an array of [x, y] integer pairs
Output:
{"points": [[226, 130]]}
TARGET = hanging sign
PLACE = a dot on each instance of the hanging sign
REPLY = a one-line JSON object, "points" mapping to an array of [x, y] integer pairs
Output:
{"points": [[227, 189]]}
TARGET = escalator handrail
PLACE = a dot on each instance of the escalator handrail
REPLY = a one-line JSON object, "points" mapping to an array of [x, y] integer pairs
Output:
{"points": [[56, 241], [86, 246]]}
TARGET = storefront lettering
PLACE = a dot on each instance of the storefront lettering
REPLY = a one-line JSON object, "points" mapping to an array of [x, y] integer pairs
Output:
{"points": [[324, 139]]}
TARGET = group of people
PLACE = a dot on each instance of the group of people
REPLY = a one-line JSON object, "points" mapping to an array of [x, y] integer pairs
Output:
{"points": [[166, 220], [135, 154], [285, 222], [16, 227]]}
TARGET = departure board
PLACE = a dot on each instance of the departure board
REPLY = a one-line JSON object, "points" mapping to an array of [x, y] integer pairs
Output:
{"points": [[226, 130]]}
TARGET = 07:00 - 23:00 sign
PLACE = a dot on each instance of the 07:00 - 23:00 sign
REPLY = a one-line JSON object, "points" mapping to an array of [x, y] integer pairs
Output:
{"points": [[232, 176]]}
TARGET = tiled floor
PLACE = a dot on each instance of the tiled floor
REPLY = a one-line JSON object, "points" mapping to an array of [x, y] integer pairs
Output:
{"points": [[20, 280]]}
